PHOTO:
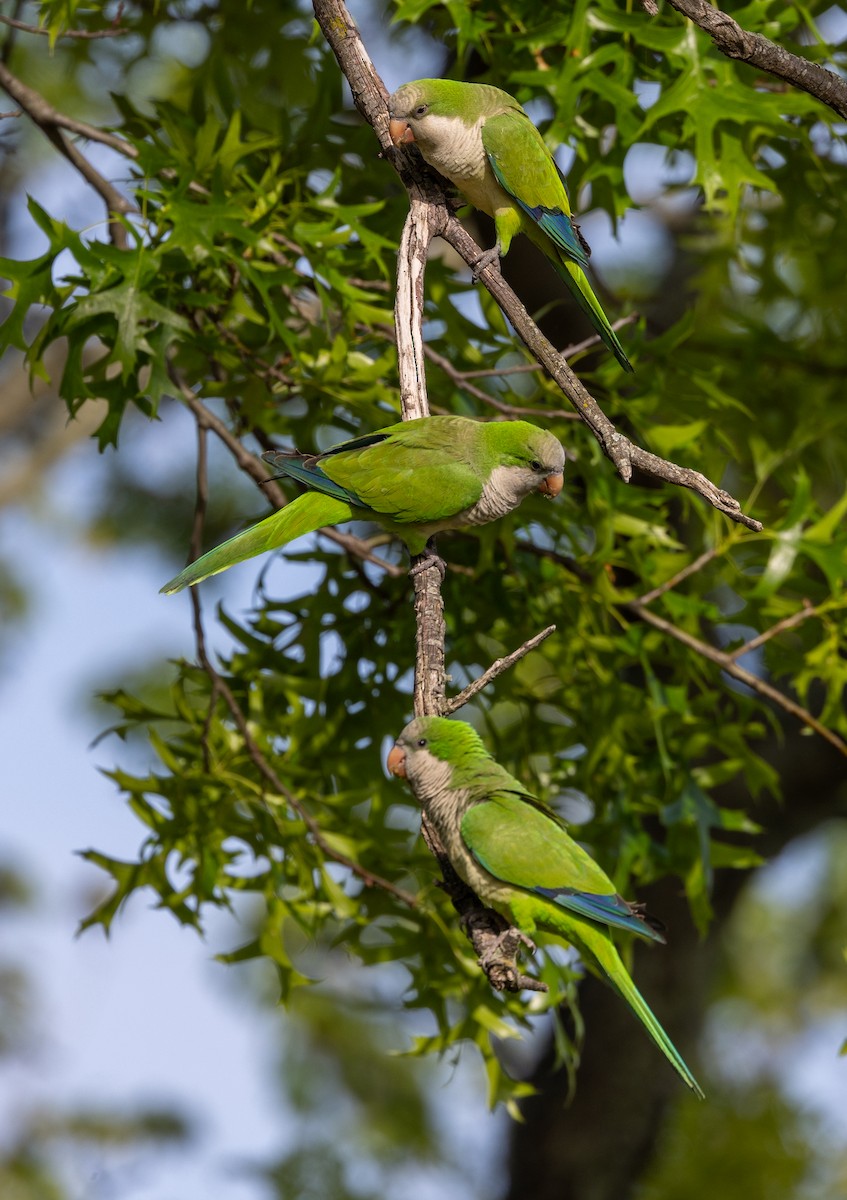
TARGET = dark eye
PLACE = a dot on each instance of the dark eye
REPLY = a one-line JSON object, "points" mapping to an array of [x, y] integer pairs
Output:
{"points": [[536, 465], [421, 110], [421, 741]]}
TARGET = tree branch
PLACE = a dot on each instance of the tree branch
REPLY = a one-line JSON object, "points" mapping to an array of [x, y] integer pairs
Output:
{"points": [[727, 662], [497, 668], [51, 122], [483, 926], [625, 454], [760, 52], [725, 659], [87, 35]]}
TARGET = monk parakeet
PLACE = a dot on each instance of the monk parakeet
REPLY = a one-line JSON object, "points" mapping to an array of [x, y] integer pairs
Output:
{"points": [[518, 858], [415, 478], [481, 139]]}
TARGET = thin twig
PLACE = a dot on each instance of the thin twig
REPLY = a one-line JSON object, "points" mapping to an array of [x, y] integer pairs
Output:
{"points": [[256, 469], [219, 688], [460, 378], [569, 351], [693, 567], [195, 546], [722, 658], [68, 33], [278, 788], [496, 668], [727, 663], [51, 122], [759, 51], [803, 614]]}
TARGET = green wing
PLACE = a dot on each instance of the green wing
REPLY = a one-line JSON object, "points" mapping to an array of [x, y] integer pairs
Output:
{"points": [[525, 168], [519, 843], [413, 473]]}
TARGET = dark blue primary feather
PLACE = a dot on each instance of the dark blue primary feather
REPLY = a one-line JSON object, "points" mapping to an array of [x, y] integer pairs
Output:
{"points": [[556, 224], [308, 472], [611, 910]]}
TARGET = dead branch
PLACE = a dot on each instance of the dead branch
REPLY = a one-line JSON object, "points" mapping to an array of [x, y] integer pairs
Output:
{"points": [[497, 668]]}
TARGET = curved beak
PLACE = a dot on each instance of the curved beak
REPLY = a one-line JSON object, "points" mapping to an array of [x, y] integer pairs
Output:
{"points": [[551, 486], [397, 762], [400, 132]]}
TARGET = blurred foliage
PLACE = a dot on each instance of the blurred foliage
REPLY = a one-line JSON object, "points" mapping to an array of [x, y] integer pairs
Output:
{"points": [[259, 271], [51, 1152], [781, 999]]}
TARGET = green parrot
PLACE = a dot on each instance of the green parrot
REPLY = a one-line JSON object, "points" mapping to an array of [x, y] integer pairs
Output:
{"points": [[415, 478], [516, 855], [481, 139]]}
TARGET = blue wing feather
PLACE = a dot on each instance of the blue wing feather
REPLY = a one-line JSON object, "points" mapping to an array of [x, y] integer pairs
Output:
{"points": [[308, 472], [556, 224], [611, 910]]}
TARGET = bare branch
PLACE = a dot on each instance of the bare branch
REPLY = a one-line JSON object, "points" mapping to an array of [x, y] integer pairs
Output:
{"points": [[496, 668], [725, 659], [803, 614], [760, 52], [625, 455], [693, 567], [68, 33], [46, 117]]}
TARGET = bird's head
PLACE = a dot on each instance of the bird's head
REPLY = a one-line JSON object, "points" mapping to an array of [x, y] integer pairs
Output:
{"points": [[428, 751], [423, 111], [536, 454]]}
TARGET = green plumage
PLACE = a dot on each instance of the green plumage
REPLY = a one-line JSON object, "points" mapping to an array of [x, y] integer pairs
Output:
{"points": [[415, 478], [519, 859], [481, 139]]}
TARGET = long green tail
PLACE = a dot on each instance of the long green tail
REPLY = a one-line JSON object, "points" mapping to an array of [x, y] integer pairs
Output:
{"points": [[580, 288], [601, 948], [304, 515]]}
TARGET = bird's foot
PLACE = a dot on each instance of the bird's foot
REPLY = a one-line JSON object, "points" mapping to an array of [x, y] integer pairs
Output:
{"points": [[488, 259], [429, 558], [506, 945]]}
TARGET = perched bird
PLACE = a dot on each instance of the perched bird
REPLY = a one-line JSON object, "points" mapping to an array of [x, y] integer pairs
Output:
{"points": [[481, 139], [518, 858], [415, 479]]}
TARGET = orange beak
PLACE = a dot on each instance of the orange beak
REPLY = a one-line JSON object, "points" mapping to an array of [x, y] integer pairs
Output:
{"points": [[551, 486], [397, 762], [400, 132]]}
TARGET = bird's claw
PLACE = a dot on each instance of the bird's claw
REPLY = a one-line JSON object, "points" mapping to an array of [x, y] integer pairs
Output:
{"points": [[506, 945], [428, 559], [487, 259]]}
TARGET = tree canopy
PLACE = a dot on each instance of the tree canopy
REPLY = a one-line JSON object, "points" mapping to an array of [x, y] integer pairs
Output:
{"points": [[238, 258]]}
